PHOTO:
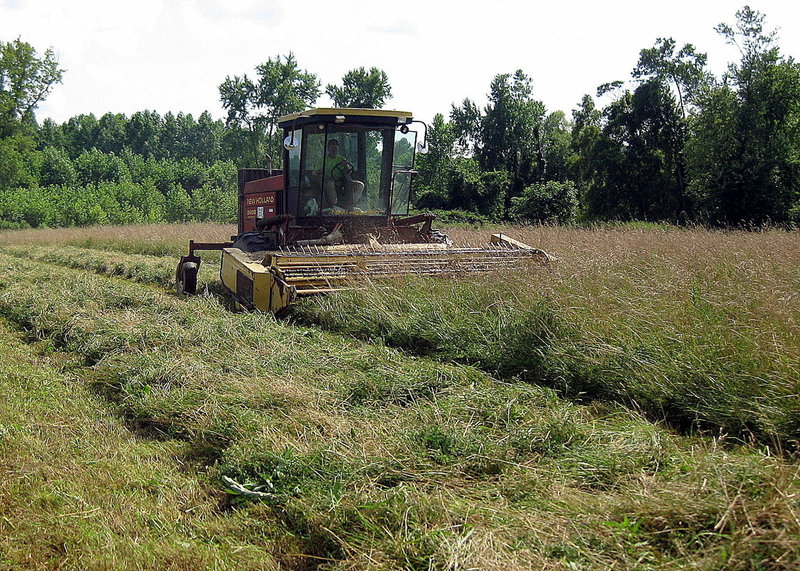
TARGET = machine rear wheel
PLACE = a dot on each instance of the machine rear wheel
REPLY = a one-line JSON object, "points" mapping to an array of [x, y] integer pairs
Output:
{"points": [[187, 278]]}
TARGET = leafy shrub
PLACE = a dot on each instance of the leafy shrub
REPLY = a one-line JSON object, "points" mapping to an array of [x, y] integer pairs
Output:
{"points": [[476, 190], [459, 217], [430, 198], [223, 174], [56, 167], [468, 188], [794, 213], [214, 203], [129, 203], [14, 170], [190, 174], [65, 205], [179, 205], [24, 206], [100, 188], [549, 202], [94, 167]]}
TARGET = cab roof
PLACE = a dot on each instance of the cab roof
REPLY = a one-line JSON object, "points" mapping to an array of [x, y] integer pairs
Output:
{"points": [[352, 115]]}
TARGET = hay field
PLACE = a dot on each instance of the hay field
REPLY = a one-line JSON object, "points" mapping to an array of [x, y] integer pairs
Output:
{"points": [[635, 407]]}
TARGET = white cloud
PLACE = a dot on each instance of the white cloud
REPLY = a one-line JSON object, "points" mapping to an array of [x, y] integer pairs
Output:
{"points": [[11, 4], [400, 28]]}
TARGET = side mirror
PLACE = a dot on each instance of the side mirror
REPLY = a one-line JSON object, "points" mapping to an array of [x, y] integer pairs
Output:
{"points": [[422, 146]]}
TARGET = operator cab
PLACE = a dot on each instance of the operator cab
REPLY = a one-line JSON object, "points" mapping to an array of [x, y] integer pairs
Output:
{"points": [[347, 162]]}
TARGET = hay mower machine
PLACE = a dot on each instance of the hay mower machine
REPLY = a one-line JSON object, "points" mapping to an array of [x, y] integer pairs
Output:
{"points": [[338, 212]]}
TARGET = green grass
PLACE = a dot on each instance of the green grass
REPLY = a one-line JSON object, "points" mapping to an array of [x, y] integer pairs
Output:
{"points": [[143, 268], [80, 490], [701, 348], [365, 457]]}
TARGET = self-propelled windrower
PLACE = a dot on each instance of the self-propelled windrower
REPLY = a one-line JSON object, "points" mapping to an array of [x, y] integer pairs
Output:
{"points": [[336, 213]]}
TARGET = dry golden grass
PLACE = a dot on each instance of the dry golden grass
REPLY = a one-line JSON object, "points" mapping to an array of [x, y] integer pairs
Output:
{"points": [[158, 239], [694, 326], [609, 245], [200, 231]]}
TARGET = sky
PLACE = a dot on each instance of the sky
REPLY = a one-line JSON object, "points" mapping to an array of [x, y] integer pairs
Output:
{"points": [[171, 55]]}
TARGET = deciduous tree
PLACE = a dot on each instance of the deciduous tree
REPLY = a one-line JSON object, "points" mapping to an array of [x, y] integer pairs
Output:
{"points": [[280, 88], [685, 72], [747, 131], [435, 166], [25, 81], [361, 88], [513, 133]]}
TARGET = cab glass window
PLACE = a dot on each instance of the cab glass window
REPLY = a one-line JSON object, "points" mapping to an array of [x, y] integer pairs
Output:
{"points": [[346, 170], [402, 167], [294, 158]]}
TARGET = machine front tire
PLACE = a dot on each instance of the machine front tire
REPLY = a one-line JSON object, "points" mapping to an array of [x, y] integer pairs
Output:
{"points": [[187, 278], [256, 241], [439, 237]]}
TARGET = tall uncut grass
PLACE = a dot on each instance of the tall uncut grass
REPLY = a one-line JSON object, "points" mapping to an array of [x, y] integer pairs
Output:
{"points": [[695, 327], [151, 239]]}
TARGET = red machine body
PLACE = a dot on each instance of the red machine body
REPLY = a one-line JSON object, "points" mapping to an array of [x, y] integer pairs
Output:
{"points": [[259, 200]]}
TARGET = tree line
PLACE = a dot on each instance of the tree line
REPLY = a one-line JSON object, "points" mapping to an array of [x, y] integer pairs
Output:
{"points": [[677, 145], [672, 143], [115, 170]]}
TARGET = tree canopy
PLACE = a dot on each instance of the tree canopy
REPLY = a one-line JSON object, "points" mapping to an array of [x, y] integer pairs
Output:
{"points": [[254, 105], [25, 80], [361, 88], [746, 133], [672, 143]]}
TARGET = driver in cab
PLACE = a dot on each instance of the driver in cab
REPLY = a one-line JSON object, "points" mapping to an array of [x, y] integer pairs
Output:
{"points": [[342, 193]]}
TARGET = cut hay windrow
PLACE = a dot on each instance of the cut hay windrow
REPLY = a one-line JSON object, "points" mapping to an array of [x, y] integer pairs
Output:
{"points": [[79, 490], [135, 267]]}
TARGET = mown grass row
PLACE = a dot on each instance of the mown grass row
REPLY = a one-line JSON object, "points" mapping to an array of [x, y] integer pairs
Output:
{"points": [[136, 267], [142, 268], [364, 457], [78, 490]]}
